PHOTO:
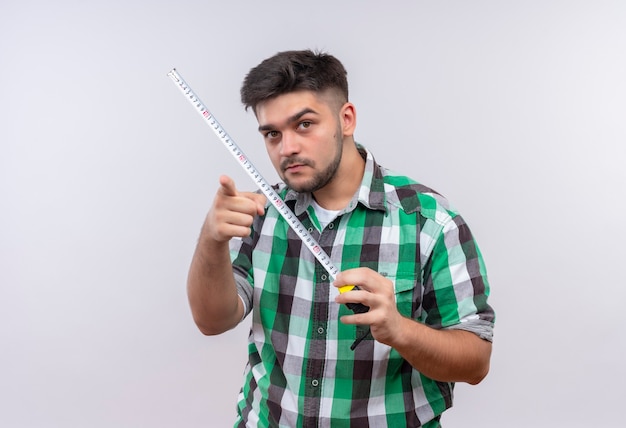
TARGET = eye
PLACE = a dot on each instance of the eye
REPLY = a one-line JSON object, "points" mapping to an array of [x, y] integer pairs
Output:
{"points": [[272, 135], [305, 124]]}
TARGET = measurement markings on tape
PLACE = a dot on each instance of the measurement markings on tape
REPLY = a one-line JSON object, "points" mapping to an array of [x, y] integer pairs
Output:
{"points": [[263, 185]]}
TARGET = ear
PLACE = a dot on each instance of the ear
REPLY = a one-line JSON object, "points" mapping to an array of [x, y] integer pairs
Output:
{"points": [[347, 116]]}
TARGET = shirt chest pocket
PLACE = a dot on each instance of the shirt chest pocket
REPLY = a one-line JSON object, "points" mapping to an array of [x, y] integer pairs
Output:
{"points": [[408, 293]]}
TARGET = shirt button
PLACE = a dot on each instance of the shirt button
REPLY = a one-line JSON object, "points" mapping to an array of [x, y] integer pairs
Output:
{"points": [[331, 226], [310, 230], [320, 330], [324, 277], [315, 382]]}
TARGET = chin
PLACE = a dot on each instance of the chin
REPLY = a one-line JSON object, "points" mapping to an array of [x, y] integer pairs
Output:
{"points": [[300, 187]]}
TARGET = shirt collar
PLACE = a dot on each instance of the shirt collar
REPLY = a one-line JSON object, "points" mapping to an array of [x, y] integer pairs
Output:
{"points": [[371, 193]]}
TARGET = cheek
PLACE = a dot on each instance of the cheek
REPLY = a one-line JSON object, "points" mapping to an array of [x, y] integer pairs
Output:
{"points": [[272, 152]]}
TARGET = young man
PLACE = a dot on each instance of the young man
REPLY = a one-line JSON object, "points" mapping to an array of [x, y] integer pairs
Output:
{"points": [[413, 258]]}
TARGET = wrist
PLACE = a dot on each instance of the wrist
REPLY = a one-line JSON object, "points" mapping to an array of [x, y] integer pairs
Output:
{"points": [[407, 334]]}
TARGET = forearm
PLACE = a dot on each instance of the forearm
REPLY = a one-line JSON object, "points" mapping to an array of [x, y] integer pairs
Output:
{"points": [[211, 289], [443, 355]]}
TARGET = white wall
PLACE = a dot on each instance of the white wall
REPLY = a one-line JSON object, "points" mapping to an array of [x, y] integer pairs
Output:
{"points": [[514, 110]]}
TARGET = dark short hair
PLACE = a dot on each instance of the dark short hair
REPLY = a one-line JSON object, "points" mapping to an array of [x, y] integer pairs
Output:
{"points": [[291, 71]]}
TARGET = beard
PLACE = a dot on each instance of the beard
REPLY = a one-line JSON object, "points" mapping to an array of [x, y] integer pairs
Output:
{"points": [[320, 178]]}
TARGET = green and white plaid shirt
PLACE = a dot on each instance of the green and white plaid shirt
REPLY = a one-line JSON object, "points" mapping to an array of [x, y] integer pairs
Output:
{"points": [[301, 371]]}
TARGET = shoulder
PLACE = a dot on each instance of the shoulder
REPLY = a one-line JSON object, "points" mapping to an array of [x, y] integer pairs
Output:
{"points": [[411, 196]]}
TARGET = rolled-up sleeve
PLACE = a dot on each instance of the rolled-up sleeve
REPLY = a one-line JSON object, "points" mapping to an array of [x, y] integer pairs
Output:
{"points": [[456, 287]]}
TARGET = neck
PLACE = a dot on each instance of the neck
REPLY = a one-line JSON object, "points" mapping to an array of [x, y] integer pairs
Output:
{"points": [[339, 191]]}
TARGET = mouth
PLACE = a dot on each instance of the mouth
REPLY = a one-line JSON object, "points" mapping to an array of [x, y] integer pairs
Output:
{"points": [[295, 166]]}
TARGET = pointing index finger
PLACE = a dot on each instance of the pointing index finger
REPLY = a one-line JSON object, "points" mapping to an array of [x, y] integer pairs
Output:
{"points": [[227, 186]]}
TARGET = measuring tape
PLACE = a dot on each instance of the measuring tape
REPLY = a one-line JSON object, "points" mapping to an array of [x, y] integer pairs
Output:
{"points": [[264, 186]]}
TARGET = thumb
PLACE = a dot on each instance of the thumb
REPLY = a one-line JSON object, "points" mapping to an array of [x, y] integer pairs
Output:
{"points": [[260, 200]]}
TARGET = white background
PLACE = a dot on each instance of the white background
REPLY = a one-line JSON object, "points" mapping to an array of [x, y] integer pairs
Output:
{"points": [[514, 110]]}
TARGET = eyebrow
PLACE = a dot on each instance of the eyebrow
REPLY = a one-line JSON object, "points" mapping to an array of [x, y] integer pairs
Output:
{"points": [[291, 119]]}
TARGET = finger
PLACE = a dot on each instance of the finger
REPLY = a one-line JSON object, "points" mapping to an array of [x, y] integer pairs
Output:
{"points": [[354, 296], [367, 280], [260, 200], [227, 186], [224, 224], [235, 230], [357, 319], [360, 277]]}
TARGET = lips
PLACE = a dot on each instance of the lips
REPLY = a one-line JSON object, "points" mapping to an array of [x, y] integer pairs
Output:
{"points": [[294, 165]]}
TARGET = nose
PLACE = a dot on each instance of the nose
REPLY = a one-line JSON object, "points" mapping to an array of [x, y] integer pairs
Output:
{"points": [[289, 145]]}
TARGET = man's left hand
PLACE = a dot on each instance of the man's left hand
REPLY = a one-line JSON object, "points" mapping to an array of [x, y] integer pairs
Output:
{"points": [[378, 293]]}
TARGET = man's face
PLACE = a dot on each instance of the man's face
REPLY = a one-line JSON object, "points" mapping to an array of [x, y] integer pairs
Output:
{"points": [[303, 137]]}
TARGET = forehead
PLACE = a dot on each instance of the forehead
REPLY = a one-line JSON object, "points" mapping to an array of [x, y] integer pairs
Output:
{"points": [[283, 107]]}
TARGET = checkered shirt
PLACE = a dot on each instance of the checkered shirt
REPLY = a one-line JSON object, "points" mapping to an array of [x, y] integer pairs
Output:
{"points": [[301, 371]]}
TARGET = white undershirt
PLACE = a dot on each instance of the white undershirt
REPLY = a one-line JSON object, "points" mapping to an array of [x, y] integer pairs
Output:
{"points": [[324, 216]]}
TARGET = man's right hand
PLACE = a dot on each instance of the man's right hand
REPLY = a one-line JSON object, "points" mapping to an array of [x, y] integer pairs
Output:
{"points": [[232, 212], [211, 285]]}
